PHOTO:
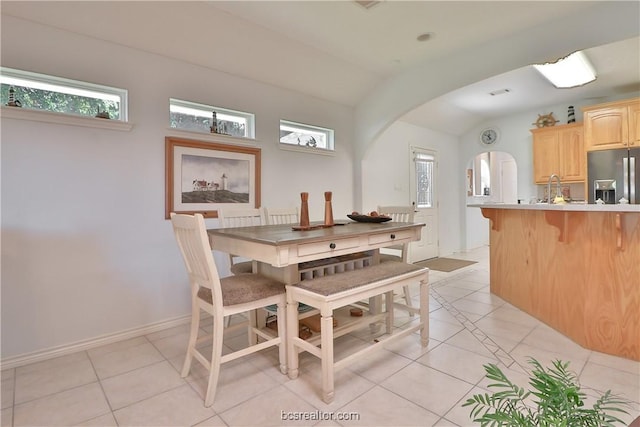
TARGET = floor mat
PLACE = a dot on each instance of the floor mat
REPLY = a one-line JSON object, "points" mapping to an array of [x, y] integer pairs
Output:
{"points": [[445, 264]]}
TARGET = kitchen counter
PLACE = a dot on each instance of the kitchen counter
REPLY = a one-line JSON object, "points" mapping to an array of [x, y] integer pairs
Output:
{"points": [[575, 207], [575, 267]]}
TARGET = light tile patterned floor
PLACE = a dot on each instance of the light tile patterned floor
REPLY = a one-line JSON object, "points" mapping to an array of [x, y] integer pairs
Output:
{"points": [[137, 383]]}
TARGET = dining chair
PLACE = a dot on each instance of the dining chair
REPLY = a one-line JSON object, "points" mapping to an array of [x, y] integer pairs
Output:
{"points": [[241, 217], [282, 215], [398, 252], [221, 297]]}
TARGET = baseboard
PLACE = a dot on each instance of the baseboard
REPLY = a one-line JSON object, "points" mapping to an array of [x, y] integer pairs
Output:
{"points": [[39, 356]]}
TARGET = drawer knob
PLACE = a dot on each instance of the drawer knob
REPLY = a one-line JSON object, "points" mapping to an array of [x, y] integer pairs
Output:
{"points": [[393, 236], [332, 245]]}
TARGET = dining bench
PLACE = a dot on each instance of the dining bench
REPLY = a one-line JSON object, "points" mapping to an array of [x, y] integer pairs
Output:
{"points": [[331, 292]]}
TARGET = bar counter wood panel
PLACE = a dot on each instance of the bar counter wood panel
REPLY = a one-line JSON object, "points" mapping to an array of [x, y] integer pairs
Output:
{"points": [[577, 271]]}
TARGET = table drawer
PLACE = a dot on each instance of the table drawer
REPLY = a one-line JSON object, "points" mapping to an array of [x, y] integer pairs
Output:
{"points": [[390, 237], [328, 246]]}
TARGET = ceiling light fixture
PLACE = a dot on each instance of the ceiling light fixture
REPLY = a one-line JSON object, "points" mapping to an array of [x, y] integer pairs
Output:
{"points": [[570, 71], [425, 36], [499, 92]]}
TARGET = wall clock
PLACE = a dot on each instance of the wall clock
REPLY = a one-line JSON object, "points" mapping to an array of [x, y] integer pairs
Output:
{"points": [[489, 136]]}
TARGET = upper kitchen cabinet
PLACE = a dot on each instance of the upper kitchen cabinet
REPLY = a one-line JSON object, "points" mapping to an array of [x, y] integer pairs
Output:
{"points": [[559, 150], [612, 125]]}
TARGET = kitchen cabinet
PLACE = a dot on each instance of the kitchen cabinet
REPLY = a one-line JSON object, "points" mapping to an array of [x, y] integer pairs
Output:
{"points": [[612, 125], [559, 150]]}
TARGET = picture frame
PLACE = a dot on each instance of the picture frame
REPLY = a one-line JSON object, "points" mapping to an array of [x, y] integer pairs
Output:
{"points": [[202, 177]]}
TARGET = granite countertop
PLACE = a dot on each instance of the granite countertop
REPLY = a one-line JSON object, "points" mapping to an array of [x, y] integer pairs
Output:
{"points": [[574, 207]]}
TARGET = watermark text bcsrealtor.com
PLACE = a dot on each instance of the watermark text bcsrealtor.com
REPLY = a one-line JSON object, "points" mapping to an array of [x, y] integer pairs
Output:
{"points": [[318, 416]]}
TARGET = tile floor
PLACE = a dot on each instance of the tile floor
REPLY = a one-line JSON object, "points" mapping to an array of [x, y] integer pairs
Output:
{"points": [[137, 383]]}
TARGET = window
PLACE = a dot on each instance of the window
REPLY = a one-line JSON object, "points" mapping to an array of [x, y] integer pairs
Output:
{"points": [[424, 165], [312, 137], [48, 93], [194, 117]]}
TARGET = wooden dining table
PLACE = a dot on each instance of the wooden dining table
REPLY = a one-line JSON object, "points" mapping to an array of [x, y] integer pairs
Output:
{"points": [[279, 249]]}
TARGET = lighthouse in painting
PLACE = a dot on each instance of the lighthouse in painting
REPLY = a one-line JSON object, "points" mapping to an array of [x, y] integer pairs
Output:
{"points": [[224, 182]]}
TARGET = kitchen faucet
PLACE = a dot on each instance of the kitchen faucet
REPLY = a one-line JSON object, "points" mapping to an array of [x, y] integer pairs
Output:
{"points": [[558, 191]]}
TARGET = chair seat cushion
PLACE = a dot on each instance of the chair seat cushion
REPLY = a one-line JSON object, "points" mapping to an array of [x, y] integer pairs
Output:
{"points": [[332, 284], [242, 267], [244, 288]]}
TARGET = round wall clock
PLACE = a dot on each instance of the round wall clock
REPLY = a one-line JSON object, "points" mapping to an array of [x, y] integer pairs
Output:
{"points": [[489, 136]]}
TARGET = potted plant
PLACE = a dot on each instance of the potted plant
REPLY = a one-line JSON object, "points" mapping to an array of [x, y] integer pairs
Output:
{"points": [[556, 400]]}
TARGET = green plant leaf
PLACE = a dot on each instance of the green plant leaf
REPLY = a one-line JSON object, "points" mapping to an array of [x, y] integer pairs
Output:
{"points": [[559, 401]]}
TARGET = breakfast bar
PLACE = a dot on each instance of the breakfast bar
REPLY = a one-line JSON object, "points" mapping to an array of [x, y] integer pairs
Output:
{"points": [[575, 267]]}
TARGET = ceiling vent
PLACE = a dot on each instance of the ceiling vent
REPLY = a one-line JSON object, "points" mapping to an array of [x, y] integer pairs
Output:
{"points": [[367, 4], [499, 92]]}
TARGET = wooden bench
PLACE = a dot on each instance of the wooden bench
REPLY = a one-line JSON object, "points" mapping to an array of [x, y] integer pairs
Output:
{"points": [[331, 292]]}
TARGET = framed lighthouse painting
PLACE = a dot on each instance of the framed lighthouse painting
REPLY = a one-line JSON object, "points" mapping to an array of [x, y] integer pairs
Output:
{"points": [[202, 177]]}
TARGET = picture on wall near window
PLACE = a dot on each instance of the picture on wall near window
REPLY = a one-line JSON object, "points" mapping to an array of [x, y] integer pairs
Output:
{"points": [[214, 180], [203, 177]]}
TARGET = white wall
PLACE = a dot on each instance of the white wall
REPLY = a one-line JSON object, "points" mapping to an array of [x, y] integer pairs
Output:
{"points": [[386, 175], [86, 249]]}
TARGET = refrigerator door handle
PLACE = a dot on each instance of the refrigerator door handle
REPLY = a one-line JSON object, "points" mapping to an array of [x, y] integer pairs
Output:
{"points": [[632, 180], [625, 178]]}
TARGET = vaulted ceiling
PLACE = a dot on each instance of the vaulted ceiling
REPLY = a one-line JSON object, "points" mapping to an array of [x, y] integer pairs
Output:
{"points": [[341, 51]]}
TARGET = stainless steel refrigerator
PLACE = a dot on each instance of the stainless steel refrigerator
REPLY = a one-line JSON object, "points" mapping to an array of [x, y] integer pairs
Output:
{"points": [[613, 175]]}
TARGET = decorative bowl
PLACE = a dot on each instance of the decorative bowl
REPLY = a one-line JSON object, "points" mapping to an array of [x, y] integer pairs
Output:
{"points": [[367, 218]]}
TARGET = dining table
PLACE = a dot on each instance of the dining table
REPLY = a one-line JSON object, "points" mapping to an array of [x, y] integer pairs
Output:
{"points": [[280, 249]]}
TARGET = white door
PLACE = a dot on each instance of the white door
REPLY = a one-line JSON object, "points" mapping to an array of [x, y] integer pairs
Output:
{"points": [[424, 194]]}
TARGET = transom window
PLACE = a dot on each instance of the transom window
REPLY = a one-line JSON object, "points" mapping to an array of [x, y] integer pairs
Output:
{"points": [[34, 91], [308, 136], [195, 117]]}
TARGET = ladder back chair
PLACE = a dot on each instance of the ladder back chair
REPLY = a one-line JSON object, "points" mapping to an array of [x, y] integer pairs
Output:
{"points": [[241, 217], [220, 298], [282, 215], [399, 252]]}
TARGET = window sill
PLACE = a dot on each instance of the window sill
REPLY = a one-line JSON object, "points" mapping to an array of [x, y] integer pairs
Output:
{"points": [[306, 150], [212, 137], [63, 119]]}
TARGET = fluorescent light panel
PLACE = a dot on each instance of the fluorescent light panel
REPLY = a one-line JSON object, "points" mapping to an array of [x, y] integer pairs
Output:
{"points": [[571, 71]]}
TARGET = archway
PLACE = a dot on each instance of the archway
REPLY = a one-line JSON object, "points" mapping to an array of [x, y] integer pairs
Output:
{"points": [[491, 177]]}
